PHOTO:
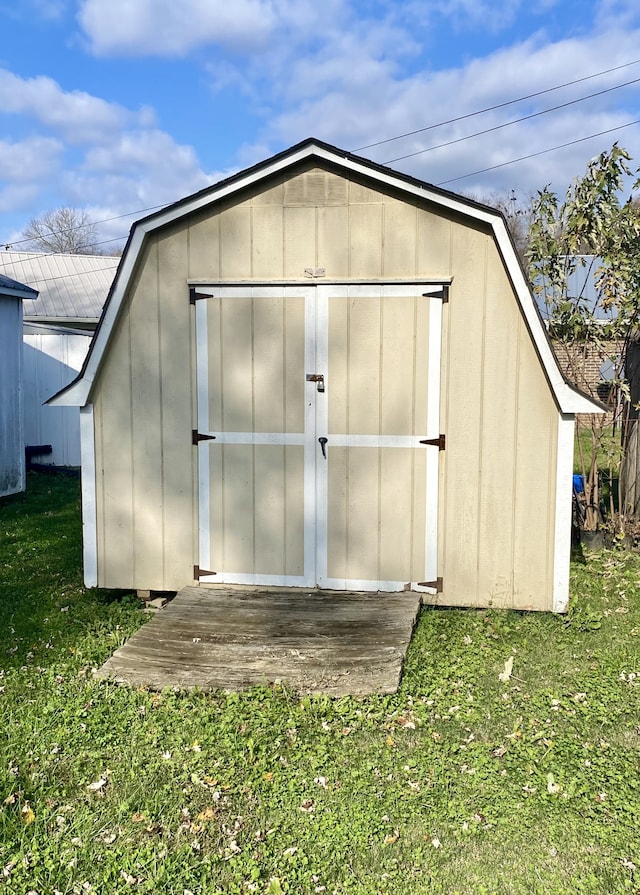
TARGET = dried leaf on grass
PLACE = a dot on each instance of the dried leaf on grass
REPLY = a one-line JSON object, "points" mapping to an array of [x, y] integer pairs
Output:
{"points": [[505, 675]]}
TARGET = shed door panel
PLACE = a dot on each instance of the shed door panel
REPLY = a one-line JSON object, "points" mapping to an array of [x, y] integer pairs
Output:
{"points": [[274, 508], [376, 517], [383, 399], [251, 399]]}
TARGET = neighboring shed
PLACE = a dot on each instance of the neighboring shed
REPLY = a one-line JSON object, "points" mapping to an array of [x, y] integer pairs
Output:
{"points": [[12, 458], [57, 332], [323, 373]]}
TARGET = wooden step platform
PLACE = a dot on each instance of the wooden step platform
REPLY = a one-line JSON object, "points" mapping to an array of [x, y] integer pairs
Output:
{"points": [[231, 638]]}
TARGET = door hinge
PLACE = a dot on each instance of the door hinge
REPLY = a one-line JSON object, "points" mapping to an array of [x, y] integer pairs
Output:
{"points": [[438, 442], [199, 573], [436, 585], [197, 437], [444, 295], [194, 295]]}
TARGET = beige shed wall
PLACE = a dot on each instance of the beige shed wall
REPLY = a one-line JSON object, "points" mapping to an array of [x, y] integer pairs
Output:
{"points": [[497, 494]]}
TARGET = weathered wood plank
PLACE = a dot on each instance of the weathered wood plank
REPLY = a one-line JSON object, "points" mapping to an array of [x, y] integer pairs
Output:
{"points": [[232, 638]]}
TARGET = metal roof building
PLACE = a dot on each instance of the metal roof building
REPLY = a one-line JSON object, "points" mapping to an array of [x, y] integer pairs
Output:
{"points": [[57, 330], [73, 288]]}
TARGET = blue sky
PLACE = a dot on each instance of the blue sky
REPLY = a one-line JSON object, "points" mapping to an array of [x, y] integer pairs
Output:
{"points": [[116, 106]]}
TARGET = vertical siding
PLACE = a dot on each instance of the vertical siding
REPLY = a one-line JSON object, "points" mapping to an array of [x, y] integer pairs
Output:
{"points": [[365, 241], [176, 419], [498, 495], [267, 241], [204, 246], [114, 463], [12, 465], [500, 414], [299, 241], [498, 470], [464, 414], [143, 422], [146, 415], [399, 239], [235, 243], [51, 361], [535, 493], [333, 240]]}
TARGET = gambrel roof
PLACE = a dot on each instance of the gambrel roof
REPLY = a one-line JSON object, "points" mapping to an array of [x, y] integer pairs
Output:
{"points": [[568, 399]]}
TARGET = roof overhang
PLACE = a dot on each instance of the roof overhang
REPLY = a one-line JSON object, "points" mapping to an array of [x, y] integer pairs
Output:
{"points": [[13, 289], [77, 393]]}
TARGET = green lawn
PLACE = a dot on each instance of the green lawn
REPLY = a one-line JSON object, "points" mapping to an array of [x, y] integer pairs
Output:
{"points": [[459, 783]]}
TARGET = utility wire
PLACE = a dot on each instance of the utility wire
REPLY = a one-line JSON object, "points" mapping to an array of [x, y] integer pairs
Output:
{"points": [[514, 161], [400, 136], [509, 102], [116, 217], [440, 183], [498, 127], [409, 155], [541, 152]]}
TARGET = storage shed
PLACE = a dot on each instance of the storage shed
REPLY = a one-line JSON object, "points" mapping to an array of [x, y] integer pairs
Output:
{"points": [[12, 457], [57, 332], [322, 373]]}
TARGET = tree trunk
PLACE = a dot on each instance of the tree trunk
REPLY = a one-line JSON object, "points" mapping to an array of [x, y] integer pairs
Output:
{"points": [[629, 485]]}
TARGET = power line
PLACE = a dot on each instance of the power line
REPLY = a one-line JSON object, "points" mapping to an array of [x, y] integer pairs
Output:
{"points": [[541, 152], [498, 127], [116, 217], [411, 133], [440, 183], [509, 102], [409, 155]]}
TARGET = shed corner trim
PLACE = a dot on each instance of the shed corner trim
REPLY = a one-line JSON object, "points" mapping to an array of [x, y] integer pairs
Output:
{"points": [[562, 537]]}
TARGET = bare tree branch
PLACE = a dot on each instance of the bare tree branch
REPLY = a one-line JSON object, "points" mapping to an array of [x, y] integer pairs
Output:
{"points": [[69, 230]]}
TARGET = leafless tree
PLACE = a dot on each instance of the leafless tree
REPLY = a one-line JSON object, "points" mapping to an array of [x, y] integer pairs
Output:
{"points": [[518, 214], [62, 230]]}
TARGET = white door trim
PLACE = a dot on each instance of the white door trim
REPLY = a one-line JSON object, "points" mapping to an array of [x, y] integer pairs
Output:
{"points": [[304, 439], [390, 290], [564, 486], [89, 496], [433, 453], [316, 423]]}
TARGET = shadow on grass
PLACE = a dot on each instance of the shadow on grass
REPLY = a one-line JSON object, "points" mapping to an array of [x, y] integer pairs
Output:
{"points": [[46, 614]]}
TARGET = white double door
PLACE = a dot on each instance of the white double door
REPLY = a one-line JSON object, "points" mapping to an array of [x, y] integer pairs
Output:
{"points": [[315, 403]]}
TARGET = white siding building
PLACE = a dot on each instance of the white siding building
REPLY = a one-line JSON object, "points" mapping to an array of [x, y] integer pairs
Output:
{"points": [[12, 459], [57, 333]]}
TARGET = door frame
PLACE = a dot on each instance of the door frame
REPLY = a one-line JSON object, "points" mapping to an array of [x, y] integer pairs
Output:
{"points": [[316, 297]]}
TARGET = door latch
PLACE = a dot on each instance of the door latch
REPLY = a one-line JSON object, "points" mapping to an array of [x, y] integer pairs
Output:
{"points": [[323, 444], [318, 378]]}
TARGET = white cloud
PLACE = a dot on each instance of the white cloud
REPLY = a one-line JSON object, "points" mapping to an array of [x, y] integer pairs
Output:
{"points": [[137, 170], [324, 70], [16, 196], [173, 27], [77, 116], [618, 14], [353, 111], [50, 9], [27, 160], [467, 14], [88, 152]]}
